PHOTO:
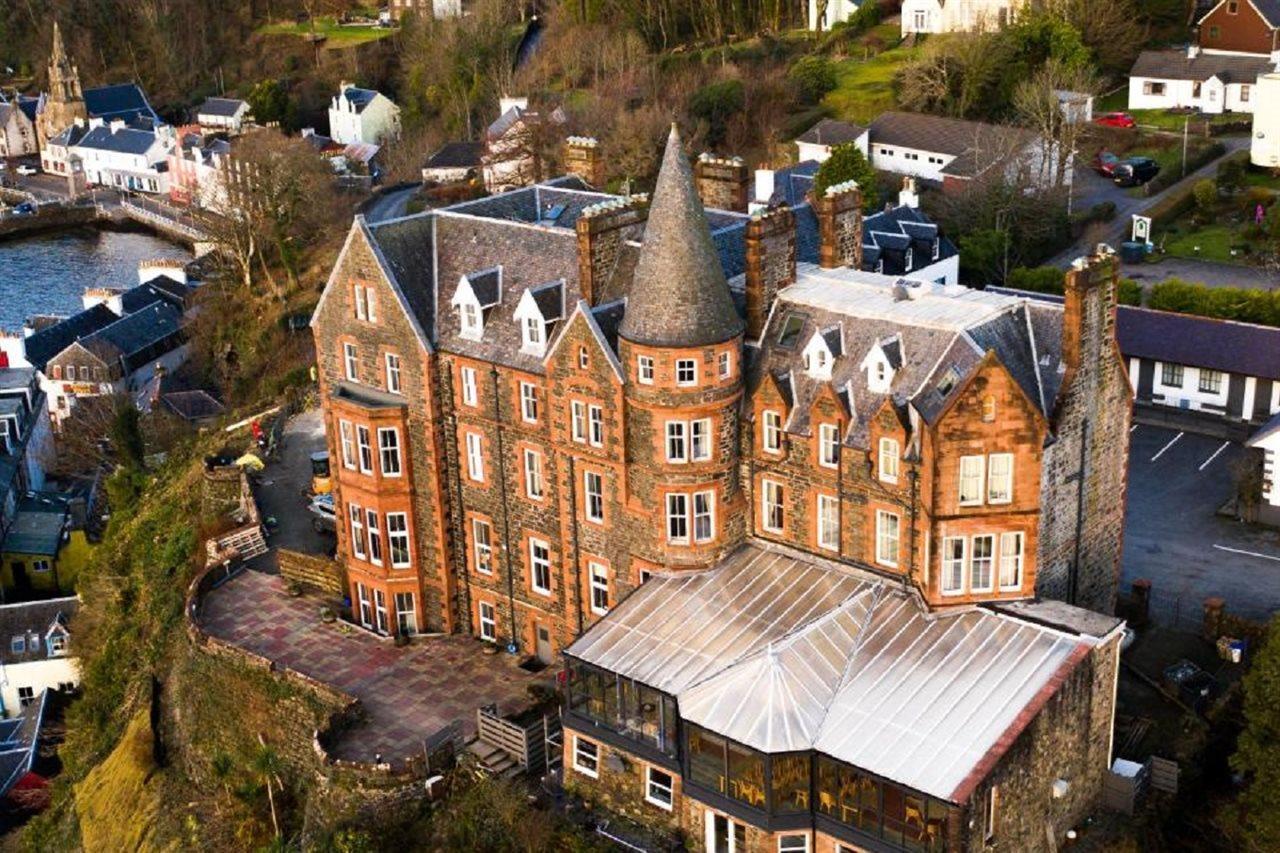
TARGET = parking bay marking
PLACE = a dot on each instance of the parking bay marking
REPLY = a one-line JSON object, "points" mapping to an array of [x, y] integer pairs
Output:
{"points": [[1171, 443], [1248, 553], [1205, 463]]}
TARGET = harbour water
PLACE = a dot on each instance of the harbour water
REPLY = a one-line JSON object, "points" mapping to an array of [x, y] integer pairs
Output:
{"points": [[47, 274]]}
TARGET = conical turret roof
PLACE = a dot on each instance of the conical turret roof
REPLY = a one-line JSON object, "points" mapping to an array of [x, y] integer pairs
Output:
{"points": [[679, 296]]}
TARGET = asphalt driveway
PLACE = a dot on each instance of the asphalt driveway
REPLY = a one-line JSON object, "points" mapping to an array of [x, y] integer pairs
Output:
{"points": [[282, 489], [1175, 539]]}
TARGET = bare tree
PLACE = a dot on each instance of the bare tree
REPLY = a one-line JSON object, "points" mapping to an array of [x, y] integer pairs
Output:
{"points": [[1050, 104]]}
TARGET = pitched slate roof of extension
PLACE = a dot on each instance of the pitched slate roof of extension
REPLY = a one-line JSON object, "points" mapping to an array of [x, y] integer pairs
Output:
{"points": [[122, 100], [1176, 65], [35, 617], [222, 107], [134, 338], [456, 155], [679, 297], [1242, 348], [829, 131], [944, 135], [784, 652]]}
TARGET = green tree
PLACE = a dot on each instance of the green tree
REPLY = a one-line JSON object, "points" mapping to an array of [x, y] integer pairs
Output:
{"points": [[1206, 196], [126, 435], [270, 102], [1258, 749], [813, 77], [716, 103], [1231, 176], [848, 163], [983, 255]]}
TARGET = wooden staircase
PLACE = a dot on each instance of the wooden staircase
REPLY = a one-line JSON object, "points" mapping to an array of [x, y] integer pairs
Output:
{"points": [[494, 761]]}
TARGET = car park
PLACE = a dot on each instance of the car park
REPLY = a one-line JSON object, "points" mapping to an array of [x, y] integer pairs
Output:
{"points": [[1105, 162]]}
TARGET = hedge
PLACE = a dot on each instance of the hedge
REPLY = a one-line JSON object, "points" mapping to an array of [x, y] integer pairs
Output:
{"points": [[1195, 160], [1222, 303], [1053, 280]]}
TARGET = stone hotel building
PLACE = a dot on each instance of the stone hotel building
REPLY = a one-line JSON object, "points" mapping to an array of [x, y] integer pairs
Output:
{"points": [[792, 525]]}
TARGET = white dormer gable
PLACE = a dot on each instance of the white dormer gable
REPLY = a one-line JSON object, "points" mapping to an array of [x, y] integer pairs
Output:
{"points": [[56, 640], [476, 292], [819, 357], [535, 321], [881, 363]]}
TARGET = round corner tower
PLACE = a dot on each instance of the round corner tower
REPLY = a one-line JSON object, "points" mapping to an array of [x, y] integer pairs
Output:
{"points": [[681, 347]]}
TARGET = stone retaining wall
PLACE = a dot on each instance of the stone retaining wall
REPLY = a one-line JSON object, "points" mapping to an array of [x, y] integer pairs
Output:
{"points": [[312, 571], [46, 218]]}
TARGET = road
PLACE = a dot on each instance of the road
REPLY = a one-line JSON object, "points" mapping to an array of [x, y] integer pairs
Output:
{"points": [[390, 204], [1208, 273], [1174, 537], [1091, 188], [281, 489]]}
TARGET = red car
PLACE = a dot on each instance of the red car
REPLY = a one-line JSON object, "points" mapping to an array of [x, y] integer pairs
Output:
{"points": [[1104, 163], [1115, 120]]}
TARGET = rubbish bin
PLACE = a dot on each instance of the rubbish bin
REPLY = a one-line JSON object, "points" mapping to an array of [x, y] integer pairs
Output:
{"points": [[1132, 252]]}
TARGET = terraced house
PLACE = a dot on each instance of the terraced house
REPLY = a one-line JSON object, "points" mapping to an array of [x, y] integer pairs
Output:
{"points": [[705, 455]]}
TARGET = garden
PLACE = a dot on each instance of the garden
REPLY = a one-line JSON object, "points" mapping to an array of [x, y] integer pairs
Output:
{"points": [[1231, 219]]}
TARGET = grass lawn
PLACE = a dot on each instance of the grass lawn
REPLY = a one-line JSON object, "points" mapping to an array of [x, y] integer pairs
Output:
{"points": [[864, 87], [336, 35], [1214, 242], [1171, 121]]}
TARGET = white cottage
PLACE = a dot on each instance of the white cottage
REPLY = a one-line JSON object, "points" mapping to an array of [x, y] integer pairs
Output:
{"points": [[1207, 81], [362, 115]]}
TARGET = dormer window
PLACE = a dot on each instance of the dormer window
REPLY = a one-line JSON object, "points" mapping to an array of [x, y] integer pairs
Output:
{"points": [[539, 307], [476, 293], [936, 248], [881, 363], [909, 260], [821, 352], [57, 643]]}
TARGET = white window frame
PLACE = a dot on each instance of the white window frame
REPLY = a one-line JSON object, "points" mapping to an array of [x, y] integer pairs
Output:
{"points": [[644, 369], [467, 378], [598, 579], [1005, 479], [827, 508], [351, 361], [347, 444], [475, 456], [536, 562], [700, 440], [990, 813], [398, 539], [593, 496], [772, 498], [677, 442], [591, 767], [578, 421], [976, 563], [707, 511], [361, 312], [595, 425], [482, 551], [389, 451], [374, 531], [364, 447], [829, 445], [883, 538], [954, 567], [686, 366], [364, 605], [786, 842], [470, 318], [677, 518], [584, 360], [650, 785], [488, 622], [771, 431], [534, 482], [887, 463], [534, 333], [529, 402], [393, 372], [405, 626], [1011, 559], [976, 477], [725, 362], [380, 615], [355, 513]]}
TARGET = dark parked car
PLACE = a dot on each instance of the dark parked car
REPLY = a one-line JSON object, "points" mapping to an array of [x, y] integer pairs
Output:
{"points": [[1104, 163], [1115, 120], [1135, 171]]}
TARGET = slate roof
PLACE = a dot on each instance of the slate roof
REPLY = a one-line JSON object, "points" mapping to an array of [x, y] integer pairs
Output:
{"points": [[134, 338], [48, 342], [122, 100], [406, 252], [829, 131], [19, 741], [456, 155], [934, 340], [30, 106], [1268, 429], [70, 135], [679, 296], [1176, 65], [888, 234], [125, 140], [785, 652], [193, 405], [222, 107], [1268, 9], [975, 145], [36, 528], [359, 98], [32, 618], [1242, 348], [162, 287]]}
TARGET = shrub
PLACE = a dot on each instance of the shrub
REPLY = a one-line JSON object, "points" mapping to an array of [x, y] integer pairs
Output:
{"points": [[848, 163], [813, 77], [1206, 196], [1037, 279], [715, 104], [1103, 211], [1231, 175], [1224, 303], [1129, 292]]}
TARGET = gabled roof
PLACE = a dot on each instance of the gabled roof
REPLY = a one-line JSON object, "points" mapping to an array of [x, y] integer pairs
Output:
{"points": [[193, 405], [134, 337], [1176, 65], [51, 340], [1268, 9], [32, 619], [783, 651], [222, 107], [679, 296], [122, 100], [829, 131], [36, 529], [124, 140], [359, 98], [1242, 348], [456, 155]]}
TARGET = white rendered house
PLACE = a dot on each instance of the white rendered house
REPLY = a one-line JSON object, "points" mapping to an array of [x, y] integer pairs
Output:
{"points": [[34, 651], [362, 115], [956, 16], [1267, 440], [1265, 148], [1208, 81], [125, 156], [836, 11]]}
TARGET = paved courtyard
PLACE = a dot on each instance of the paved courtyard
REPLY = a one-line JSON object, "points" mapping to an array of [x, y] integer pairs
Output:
{"points": [[1175, 539], [408, 693]]}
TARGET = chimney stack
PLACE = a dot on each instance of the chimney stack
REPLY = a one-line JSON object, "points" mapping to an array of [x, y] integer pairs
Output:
{"points": [[839, 212], [582, 157], [723, 183], [1089, 301], [602, 228], [771, 263]]}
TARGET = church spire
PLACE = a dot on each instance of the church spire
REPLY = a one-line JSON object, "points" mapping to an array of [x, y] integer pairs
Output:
{"points": [[64, 78], [679, 296]]}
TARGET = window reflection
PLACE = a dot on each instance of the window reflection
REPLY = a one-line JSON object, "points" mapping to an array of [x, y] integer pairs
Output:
{"points": [[879, 808], [624, 706]]}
